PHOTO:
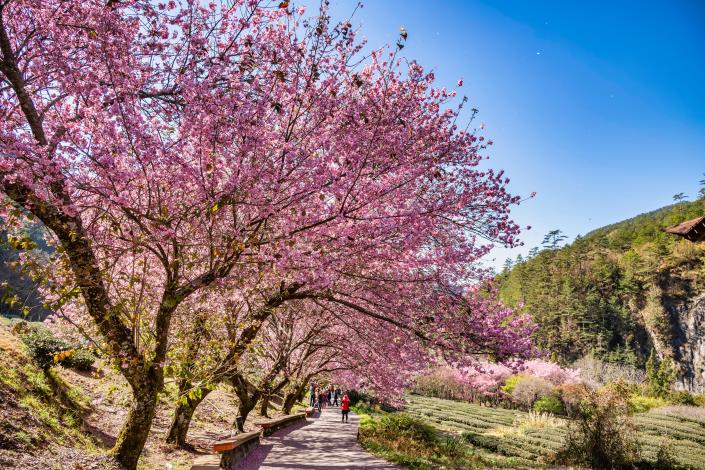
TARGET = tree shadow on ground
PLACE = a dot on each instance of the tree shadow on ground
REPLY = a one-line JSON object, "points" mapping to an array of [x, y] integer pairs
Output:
{"points": [[69, 399]]}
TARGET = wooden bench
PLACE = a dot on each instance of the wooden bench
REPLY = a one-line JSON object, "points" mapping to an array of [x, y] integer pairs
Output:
{"points": [[309, 411], [269, 426], [236, 448]]}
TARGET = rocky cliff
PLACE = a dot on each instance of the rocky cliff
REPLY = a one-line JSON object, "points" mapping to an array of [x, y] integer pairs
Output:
{"points": [[687, 320]]}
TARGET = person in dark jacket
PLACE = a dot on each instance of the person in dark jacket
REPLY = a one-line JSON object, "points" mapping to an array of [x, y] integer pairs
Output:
{"points": [[321, 397]]}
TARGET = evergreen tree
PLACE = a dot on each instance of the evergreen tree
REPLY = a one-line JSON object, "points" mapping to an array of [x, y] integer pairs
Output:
{"points": [[553, 239], [660, 376]]}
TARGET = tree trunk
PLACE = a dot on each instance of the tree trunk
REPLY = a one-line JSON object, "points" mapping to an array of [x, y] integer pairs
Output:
{"points": [[293, 396], [247, 395], [244, 408], [264, 405], [134, 432], [183, 414], [289, 400]]}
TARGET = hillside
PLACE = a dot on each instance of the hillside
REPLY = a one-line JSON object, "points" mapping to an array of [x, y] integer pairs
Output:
{"points": [[67, 419], [619, 292]]}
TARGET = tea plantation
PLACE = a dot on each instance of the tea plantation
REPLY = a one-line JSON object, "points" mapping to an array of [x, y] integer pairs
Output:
{"points": [[535, 439]]}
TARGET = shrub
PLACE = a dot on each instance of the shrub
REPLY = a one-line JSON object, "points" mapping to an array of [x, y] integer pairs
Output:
{"points": [[699, 400], [528, 389], [357, 396], [549, 404], [642, 404], [43, 346], [404, 439], [47, 350], [81, 359], [682, 397], [603, 435], [664, 460], [452, 446], [510, 383], [571, 396]]}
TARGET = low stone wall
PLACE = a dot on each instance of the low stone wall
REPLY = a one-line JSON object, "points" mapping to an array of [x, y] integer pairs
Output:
{"points": [[272, 425], [236, 448]]}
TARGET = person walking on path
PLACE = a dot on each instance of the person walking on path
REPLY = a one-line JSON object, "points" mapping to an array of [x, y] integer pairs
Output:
{"points": [[336, 395], [345, 408], [321, 397], [313, 395]]}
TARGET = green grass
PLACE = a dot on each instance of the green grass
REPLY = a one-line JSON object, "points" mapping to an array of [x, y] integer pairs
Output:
{"points": [[23, 437], [46, 406], [509, 433]]}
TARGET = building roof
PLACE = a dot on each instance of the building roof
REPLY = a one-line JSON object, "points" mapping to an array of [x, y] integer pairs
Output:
{"points": [[693, 230]]}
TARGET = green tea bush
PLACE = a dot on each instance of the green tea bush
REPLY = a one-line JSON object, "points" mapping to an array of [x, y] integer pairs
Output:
{"points": [[549, 404], [402, 424]]}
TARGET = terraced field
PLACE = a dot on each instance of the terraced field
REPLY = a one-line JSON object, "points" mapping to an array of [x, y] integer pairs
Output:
{"points": [[509, 433]]}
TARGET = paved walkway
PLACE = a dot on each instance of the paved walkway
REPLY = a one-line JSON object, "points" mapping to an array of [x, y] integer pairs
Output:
{"points": [[322, 442]]}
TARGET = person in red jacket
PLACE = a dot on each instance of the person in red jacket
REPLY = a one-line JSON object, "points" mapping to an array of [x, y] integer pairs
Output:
{"points": [[345, 407]]}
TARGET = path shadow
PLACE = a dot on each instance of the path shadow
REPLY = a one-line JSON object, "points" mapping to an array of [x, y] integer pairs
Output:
{"points": [[257, 457], [106, 440]]}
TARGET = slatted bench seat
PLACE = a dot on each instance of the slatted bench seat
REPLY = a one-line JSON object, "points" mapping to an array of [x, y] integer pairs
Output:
{"points": [[236, 448], [269, 426]]}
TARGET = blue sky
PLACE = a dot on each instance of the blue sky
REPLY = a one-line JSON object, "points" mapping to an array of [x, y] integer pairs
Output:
{"points": [[599, 107]]}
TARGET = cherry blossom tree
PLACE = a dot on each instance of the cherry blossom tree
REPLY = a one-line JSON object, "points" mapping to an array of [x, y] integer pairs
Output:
{"points": [[551, 372], [174, 146]]}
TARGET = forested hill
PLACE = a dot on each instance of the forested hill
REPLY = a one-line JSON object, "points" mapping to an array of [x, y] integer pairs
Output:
{"points": [[617, 292], [19, 295]]}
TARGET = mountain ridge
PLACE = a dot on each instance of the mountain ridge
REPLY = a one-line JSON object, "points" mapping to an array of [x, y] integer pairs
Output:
{"points": [[618, 292]]}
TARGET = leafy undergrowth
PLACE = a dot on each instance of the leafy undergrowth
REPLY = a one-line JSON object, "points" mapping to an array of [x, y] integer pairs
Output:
{"points": [[41, 419], [536, 439]]}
